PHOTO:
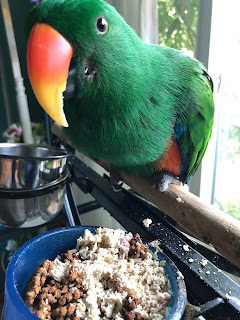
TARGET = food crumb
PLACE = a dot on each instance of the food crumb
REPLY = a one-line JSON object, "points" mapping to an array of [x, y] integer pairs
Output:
{"points": [[156, 244], [147, 222], [180, 275], [207, 272], [228, 295], [204, 262], [190, 260], [179, 200], [185, 247]]}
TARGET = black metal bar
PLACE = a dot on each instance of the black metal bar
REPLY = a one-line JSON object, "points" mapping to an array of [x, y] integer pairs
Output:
{"points": [[204, 283], [191, 311], [71, 208], [48, 130], [89, 206]]}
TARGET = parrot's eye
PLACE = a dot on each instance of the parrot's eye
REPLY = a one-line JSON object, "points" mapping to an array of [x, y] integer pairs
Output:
{"points": [[102, 25]]}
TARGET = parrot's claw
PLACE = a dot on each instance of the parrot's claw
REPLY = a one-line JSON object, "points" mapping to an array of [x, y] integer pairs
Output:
{"points": [[114, 180], [163, 179]]}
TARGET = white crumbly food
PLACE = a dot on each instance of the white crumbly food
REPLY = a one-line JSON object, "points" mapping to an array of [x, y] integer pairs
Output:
{"points": [[105, 260], [147, 222]]}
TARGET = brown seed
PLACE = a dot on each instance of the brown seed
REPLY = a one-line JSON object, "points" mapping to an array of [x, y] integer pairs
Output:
{"points": [[132, 305], [69, 296], [42, 304], [51, 265], [138, 316], [79, 280], [129, 315], [42, 281], [72, 275], [67, 261], [84, 288], [65, 289], [56, 312], [52, 289], [62, 300], [30, 294], [42, 271], [46, 264], [37, 279], [77, 294], [51, 299], [132, 242], [41, 314], [57, 293], [99, 301], [30, 301], [37, 289], [45, 289], [71, 308], [76, 318], [137, 237], [119, 289], [63, 311]]}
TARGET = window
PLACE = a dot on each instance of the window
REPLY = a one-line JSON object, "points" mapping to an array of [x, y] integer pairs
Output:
{"points": [[224, 67]]}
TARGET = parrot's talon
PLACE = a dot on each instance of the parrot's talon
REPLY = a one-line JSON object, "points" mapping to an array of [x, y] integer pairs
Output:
{"points": [[114, 180], [117, 187], [163, 179]]}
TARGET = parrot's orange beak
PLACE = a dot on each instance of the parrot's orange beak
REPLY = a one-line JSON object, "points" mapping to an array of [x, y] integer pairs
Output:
{"points": [[48, 59]]}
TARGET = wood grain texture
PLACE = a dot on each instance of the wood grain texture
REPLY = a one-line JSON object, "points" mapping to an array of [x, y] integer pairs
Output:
{"points": [[204, 221]]}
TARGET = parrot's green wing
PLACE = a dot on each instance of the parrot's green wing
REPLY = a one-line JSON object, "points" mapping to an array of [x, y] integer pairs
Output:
{"points": [[194, 130], [192, 87]]}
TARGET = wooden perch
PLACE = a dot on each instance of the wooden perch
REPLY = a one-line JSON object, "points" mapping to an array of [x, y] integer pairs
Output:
{"points": [[204, 221]]}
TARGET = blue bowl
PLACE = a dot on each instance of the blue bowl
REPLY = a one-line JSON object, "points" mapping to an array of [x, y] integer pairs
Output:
{"points": [[47, 246]]}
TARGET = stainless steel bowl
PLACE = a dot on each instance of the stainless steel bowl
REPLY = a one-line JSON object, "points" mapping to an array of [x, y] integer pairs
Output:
{"points": [[31, 211], [32, 184], [27, 167]]}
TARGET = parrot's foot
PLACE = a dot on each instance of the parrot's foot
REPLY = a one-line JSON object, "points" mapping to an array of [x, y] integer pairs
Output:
{"points": [[114, 180], [163, 179]]}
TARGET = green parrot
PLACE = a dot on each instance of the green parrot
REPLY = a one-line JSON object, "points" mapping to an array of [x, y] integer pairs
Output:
{"points": [[147, 109]]}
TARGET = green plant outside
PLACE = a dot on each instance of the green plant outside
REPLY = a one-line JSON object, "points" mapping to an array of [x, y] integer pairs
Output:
{"points": [[177, 21]]}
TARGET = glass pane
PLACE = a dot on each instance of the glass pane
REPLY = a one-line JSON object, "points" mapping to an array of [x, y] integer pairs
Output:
{"points": [[177, 21], [224, 67]]}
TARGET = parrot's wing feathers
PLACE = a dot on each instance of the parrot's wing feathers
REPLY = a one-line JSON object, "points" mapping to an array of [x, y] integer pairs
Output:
{"points": [[194, 130]]}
